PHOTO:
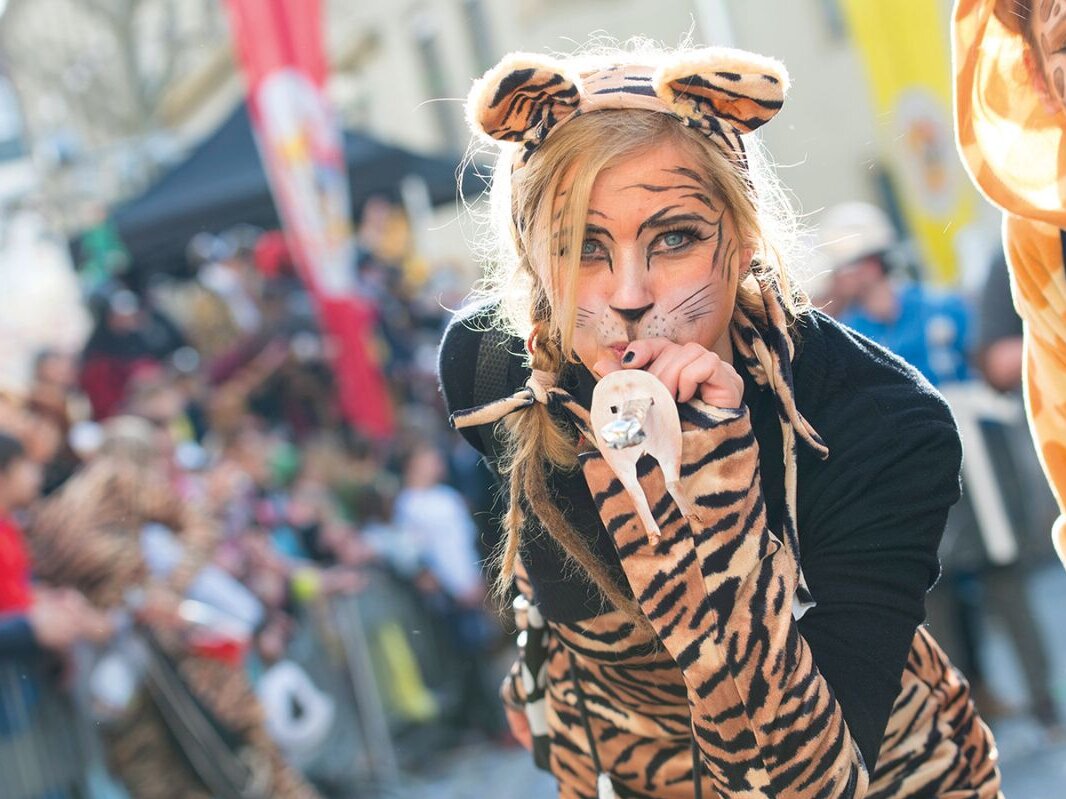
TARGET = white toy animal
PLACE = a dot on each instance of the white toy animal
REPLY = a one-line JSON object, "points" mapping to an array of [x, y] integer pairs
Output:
{"points": [[633, 414]]}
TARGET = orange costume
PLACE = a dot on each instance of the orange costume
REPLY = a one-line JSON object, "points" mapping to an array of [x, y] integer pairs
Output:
{"points": [[1014, 150]]}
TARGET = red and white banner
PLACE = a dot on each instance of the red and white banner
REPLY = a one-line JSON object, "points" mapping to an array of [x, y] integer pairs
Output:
{"points": [[279, 44]]}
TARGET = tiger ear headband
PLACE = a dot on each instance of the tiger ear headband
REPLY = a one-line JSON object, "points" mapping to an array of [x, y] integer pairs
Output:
{"points": [[722, 92]]}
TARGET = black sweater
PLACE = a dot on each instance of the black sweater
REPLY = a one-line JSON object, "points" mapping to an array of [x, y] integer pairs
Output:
{"points": [[870, 517]]}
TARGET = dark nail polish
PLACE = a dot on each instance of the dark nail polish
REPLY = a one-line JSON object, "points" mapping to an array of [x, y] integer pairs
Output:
{"points": [[628, 357]]}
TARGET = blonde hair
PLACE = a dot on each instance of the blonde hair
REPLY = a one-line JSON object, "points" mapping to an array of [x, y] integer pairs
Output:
{"points": [[532, 271]]}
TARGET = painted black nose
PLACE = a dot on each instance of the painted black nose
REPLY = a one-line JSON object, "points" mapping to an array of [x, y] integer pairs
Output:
{"points": [[632, 314]]}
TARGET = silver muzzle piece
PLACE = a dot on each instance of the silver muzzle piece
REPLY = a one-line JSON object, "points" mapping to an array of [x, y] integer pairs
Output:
{"points": [[627, 429]]}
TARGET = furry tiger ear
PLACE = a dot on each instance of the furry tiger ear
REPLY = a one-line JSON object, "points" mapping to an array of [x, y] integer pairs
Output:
{"points": [[521, 99], [742, 89]]}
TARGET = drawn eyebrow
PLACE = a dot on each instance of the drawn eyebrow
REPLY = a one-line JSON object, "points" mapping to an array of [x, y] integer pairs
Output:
{"points": [[658, 187], [656, 218], [659, 219], [602, 231], [594, 212]]}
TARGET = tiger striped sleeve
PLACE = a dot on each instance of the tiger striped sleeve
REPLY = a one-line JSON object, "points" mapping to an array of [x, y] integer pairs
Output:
{"points": [[719, 594]]}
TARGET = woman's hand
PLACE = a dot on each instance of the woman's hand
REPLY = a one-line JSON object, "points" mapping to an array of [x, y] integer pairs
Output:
{"points": [[685, 369]]}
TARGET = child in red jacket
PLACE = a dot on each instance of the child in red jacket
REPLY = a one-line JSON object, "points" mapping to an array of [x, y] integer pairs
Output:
{"points": [[31, 620]]}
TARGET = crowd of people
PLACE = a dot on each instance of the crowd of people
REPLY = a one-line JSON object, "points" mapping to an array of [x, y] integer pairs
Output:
{"points": [[183, 499]]}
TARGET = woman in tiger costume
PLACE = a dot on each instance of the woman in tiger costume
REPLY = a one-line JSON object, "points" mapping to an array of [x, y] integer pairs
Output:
{"points": [[773, 647]]}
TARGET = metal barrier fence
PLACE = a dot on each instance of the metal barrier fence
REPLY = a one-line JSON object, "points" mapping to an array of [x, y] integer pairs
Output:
{"points": [[380, 656], [374, 653], [44, 746]]}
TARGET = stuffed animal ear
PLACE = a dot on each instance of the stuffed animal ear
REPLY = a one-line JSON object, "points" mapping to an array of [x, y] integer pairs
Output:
{"points": [[521, 99], [742, 89]]}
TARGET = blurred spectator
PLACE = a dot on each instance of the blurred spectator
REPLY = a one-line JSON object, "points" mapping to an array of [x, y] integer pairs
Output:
{"points": [[927, 328], [20, 482], [54, 396], [32, 618], [229, 272], [1000, 353], [89, 536], [438, 521], [443, 534], [128, 337]]}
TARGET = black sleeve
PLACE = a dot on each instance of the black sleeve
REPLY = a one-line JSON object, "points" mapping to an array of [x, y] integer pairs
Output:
{"points": [[457, 366], [875, 512]]}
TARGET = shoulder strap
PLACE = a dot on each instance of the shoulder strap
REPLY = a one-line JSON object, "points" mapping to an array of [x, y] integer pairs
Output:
{"points": [[490, 376]]}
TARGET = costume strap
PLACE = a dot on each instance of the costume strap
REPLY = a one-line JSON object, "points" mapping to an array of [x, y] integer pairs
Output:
{"points": [[540, 387], [767, 351]]}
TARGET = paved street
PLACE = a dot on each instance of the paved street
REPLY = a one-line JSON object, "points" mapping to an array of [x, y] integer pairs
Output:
{"points": [[1033, 768]]}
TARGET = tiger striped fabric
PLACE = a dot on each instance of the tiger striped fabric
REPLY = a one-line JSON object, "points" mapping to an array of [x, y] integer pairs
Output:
{"points": [[1013, 149], [723, 660]]}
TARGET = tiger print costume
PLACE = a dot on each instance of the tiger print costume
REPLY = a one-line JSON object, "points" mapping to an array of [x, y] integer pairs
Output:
{"points": [[87, 536], [713, 692], [721, 664]]}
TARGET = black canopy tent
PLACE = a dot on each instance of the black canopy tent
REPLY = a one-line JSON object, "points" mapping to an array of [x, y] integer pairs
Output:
{"points": [[222, 184]]}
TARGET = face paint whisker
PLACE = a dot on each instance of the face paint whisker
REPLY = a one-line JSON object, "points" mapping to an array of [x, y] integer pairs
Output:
{"points": [[697, 308], [691, 296], [697, 316], [695, 303], [709, 303]]}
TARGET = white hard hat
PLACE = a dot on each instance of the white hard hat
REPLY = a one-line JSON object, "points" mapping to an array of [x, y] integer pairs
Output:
{"points": [[852, 231]]}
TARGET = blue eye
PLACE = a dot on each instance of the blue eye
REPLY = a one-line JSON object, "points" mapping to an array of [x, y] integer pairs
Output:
{"points": [[676, 241], [590, 248], [674, 238]]}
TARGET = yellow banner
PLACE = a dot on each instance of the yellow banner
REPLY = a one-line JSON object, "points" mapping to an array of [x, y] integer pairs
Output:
{"points": [[905, 46]]}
